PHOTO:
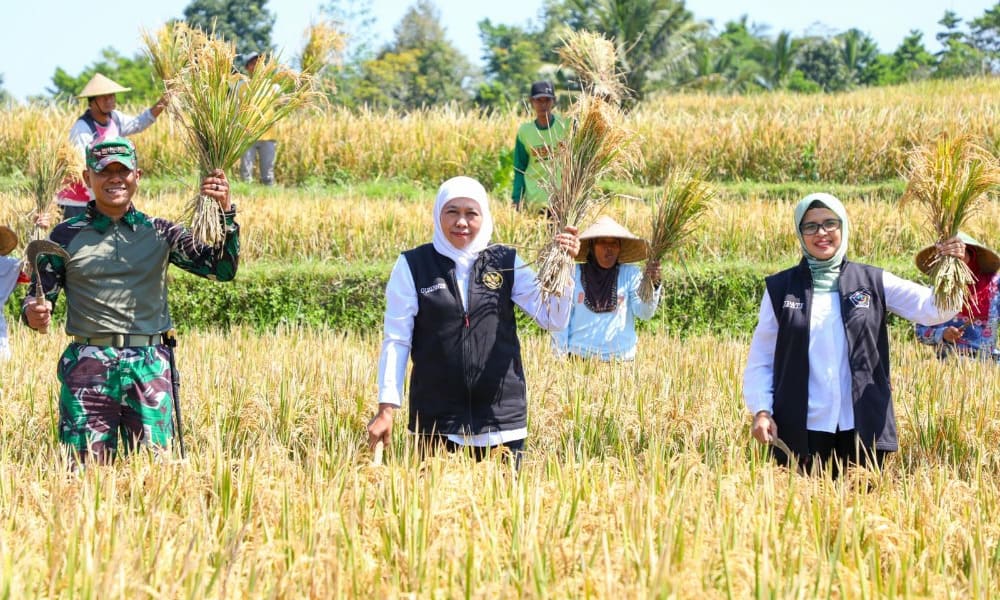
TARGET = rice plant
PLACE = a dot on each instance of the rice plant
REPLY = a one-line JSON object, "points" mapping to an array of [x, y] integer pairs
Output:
{"points": [[224, 115], [950, 178], [675, 210]]}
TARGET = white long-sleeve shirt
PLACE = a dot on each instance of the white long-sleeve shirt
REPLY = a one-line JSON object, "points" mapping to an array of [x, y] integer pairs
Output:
{"points": [[830, 404], [401, 309]]}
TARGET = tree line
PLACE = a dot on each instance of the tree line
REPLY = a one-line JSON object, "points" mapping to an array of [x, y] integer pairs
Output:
{"points": [[661, 47]]}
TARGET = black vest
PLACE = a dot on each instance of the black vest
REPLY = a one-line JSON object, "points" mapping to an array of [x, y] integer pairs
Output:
{"points": [[862, 308], [467, 376], [91, 122]]}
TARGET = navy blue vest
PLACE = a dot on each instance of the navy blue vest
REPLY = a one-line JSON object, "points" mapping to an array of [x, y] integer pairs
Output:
{"points": [[862, 308], [467, 376]]}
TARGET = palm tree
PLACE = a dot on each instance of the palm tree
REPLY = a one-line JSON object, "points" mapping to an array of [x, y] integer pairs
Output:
{"points": [[653, 38]]}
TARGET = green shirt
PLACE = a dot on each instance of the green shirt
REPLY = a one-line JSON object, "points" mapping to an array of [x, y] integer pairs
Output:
{"points": [[115, 280], [534, 147]]}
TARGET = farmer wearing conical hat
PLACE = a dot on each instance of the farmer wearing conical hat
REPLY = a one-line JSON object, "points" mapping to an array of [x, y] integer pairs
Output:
{"points": [[10, 269], [101, 121], [606, 299], [973, 331], [116, 373]]}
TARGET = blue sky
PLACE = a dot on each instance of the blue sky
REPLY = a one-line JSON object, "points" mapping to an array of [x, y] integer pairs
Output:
{"points": [[40, 35]]}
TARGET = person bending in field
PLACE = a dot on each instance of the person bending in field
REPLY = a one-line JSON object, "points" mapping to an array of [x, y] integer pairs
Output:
{"points": [[115, 374], [535, 143], [101, 121], [817, 377], [450, 309], [606, 299]]}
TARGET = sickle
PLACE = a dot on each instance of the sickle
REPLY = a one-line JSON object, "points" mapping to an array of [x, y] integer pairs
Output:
{"points": [[35, 250]]}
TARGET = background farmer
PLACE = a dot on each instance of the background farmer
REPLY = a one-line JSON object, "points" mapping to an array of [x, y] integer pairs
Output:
{"points": [[818, 370], [266, 148], [115, 374], [973, 331], [101, 121], [606, 294], [10, 269], [450, 308], [533, 147]]}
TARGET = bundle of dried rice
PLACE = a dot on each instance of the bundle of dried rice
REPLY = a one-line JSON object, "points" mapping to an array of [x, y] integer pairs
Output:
{"points": [[598, 145], [225, 116], [950, 178], [50, 164], [170, 48], [324, 43], [674, 210], [594, 60]]}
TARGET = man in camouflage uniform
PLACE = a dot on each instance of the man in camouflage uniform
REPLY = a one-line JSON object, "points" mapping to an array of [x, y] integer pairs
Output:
{"points": [[115, 374]]}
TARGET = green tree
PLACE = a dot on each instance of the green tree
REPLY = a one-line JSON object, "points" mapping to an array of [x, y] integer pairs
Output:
{"points": [[135, 73], [5, 97], [777, 60], [513, 60], [957, 58], [246, 23], [821, 61], [420, 68], [985, 32], [356, 20], [653, 38], [859, 53], [911, 61]]}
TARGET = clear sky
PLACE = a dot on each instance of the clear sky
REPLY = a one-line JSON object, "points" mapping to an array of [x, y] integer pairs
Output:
{"points": [[39, 35]]}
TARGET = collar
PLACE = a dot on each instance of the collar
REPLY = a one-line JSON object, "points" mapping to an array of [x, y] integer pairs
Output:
{"points": [[101, 222]]}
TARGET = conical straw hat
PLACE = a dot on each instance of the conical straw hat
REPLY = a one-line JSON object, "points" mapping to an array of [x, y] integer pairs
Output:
{"points": [[8, 240], [99, 85], [988, 260], [634, 248]]}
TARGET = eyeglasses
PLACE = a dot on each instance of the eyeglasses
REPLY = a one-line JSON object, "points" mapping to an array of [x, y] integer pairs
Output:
{"points": [[813, 228]]}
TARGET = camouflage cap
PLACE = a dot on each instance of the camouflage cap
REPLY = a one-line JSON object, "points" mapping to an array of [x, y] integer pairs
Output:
{"points": [[112, 150]]}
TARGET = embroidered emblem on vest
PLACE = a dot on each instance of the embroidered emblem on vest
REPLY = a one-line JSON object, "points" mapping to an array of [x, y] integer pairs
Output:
{"points": [[493, 280], [861, 299], [792, 304]]}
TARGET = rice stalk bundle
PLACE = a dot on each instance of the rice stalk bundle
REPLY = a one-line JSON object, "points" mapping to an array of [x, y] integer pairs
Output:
{"points": [[224, 115], [597, 146], [684, 198], [594, 60], [50, 164], [324, 43], [950, 178], [170, 49]]}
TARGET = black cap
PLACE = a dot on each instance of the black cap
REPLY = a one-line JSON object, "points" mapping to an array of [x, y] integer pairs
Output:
{"points": [[543, 89]]}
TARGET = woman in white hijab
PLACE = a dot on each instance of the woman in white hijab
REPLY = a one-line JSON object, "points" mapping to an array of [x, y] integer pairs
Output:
{"points": [[817, 378], [450, 309]]}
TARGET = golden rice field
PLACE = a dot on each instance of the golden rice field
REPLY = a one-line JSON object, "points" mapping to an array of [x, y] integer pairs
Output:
{"points": [[849, 138], [291, 225], [641, 480]]}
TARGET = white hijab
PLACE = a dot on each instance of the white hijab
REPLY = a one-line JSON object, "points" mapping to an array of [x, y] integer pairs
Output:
{"points": [[462, 187]]}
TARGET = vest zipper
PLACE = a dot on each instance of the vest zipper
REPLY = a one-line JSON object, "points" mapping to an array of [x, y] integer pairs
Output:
{"points": [[465, 351]]}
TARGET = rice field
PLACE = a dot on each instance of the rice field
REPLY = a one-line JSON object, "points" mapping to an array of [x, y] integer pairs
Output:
{"points": [[854, 137], [641, 480]]}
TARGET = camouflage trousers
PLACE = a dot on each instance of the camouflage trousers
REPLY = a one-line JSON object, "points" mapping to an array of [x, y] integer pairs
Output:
{"points": [[110, 392]]}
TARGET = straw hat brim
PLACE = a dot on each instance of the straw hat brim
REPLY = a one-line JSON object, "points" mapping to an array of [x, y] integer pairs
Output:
{"points": [[8, 240], [99, 85], [989, 261], [634, 248]]}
